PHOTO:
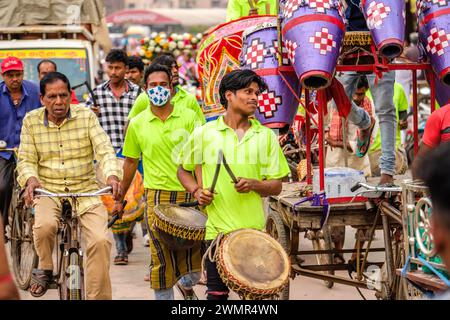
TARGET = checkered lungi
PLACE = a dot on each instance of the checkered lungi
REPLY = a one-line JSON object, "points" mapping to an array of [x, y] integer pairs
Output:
{"points": [[168, 266]]}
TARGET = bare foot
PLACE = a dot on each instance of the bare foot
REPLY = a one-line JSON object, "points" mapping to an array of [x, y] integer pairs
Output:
{"points": [[386, 179]]}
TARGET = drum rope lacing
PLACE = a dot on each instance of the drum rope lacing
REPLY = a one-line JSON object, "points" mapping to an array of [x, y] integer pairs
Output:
{"points": [[214, 254]]}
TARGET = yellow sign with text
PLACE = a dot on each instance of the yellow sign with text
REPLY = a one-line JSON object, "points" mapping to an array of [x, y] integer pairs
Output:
{"points": [[43, 53]]}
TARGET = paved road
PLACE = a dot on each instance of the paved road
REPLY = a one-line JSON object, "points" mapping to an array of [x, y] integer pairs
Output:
{"points": [[127, 281]]}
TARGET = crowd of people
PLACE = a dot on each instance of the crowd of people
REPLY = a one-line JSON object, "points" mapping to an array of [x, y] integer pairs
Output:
{"points": [[143, 116]]}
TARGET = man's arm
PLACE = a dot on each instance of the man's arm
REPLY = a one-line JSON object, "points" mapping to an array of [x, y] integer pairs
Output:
{"points": [[105, 155], [129, 170], [264, 188], [27, 168], [204, 197]]}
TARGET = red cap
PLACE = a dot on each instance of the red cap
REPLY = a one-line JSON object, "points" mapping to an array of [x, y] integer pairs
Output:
{"points": [[12, 63]]}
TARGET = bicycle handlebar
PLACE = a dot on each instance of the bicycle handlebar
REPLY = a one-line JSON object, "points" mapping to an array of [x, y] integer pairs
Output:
{"points": [[368, 187], [45, 193]]}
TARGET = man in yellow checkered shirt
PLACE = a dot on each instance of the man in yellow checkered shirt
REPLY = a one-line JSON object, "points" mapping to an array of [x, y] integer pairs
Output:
{"points": [[59, 143]]}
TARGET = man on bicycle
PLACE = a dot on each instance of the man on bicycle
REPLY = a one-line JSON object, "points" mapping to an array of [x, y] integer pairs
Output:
{"points": [[17, 97], [59, 143]]}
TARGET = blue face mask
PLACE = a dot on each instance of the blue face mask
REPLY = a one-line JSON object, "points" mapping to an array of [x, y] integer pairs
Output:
{"points": [[158, 95]]}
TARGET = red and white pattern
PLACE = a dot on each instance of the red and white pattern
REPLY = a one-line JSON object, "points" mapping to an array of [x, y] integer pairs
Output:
{"points": [[291, 46], [437, 41], [376, 13], [290, 7], [268, 103], [323, 40], [320, 5], [255, 54], [284, 52]]}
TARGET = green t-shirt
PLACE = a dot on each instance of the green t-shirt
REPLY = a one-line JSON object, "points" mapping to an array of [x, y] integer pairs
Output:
{"points": [[182, 98], [241, 8], [401, 104], [257, 156], [160, 144]]}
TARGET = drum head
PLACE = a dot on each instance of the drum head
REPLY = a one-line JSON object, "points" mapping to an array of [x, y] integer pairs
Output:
{"points": [[181, 216], [255, 259]]}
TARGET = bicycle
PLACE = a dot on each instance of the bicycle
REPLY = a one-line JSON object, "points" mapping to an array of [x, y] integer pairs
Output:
{"points": [[20, 235], [69, 276]]}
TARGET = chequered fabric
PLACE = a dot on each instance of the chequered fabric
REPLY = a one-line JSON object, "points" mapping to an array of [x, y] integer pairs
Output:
{"points": [[284, 52], [290, 7], [320, 5], [323, 40], [268, 103], [437, 41], [291, 46], [62, 157], [255, 54], [114, 113], [376, 13]]}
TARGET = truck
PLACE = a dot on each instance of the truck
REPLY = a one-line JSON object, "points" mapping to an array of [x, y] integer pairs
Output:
{"points": [[76, 45]]}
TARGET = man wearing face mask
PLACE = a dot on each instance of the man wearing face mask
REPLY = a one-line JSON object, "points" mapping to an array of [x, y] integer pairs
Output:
{"points": [[158, 134], [180, 96]]}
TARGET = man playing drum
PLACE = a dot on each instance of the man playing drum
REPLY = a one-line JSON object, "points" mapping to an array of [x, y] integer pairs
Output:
{"points": [[158, 133], [253, 153]]}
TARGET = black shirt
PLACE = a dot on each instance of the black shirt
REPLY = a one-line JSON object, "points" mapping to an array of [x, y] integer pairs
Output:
{"points": [[355, 17]]}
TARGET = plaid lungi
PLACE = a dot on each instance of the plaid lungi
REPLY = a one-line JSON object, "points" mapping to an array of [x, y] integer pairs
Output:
{"points": [[168, 266]]}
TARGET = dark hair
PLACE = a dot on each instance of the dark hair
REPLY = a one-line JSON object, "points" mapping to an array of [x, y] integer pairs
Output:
{"points": [[435, 173], [135, 62], [166, 59], [52, 77], [117, 55], [157, 68], [236, 80], [362, 83], [46, 61]]}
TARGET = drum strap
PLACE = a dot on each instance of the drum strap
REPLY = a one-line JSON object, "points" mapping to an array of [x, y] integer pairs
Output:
{"points": [[211, 252]]}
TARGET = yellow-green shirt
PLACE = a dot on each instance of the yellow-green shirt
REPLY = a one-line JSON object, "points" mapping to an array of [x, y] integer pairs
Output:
{"points": [[257, 156], [182, 99], [241, 8], [160, 143], [62, 157]]}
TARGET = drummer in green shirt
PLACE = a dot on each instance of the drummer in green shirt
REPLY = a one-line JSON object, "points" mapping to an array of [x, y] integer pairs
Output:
{"points": [[180, 97], [240, 8], [157, 134], [254, 156]]}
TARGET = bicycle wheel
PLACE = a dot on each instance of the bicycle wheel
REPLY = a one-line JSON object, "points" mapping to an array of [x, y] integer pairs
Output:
{"points": [[24, 257]]}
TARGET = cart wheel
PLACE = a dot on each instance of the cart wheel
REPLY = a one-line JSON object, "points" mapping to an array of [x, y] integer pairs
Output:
{"points": [[323, 259], [424, 238], [276, 228]]}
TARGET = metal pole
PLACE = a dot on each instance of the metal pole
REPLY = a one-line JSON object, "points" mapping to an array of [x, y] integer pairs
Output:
{"points": [[321, 101], [415, 115], [388, 247], [433, 91], [308, 139]]}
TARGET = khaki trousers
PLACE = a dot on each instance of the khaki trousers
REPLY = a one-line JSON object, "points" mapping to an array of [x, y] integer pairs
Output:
{"points": [[98, 245]]}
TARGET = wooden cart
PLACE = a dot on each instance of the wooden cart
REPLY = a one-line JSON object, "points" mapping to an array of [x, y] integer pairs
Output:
{"points": [[286, 220]]}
